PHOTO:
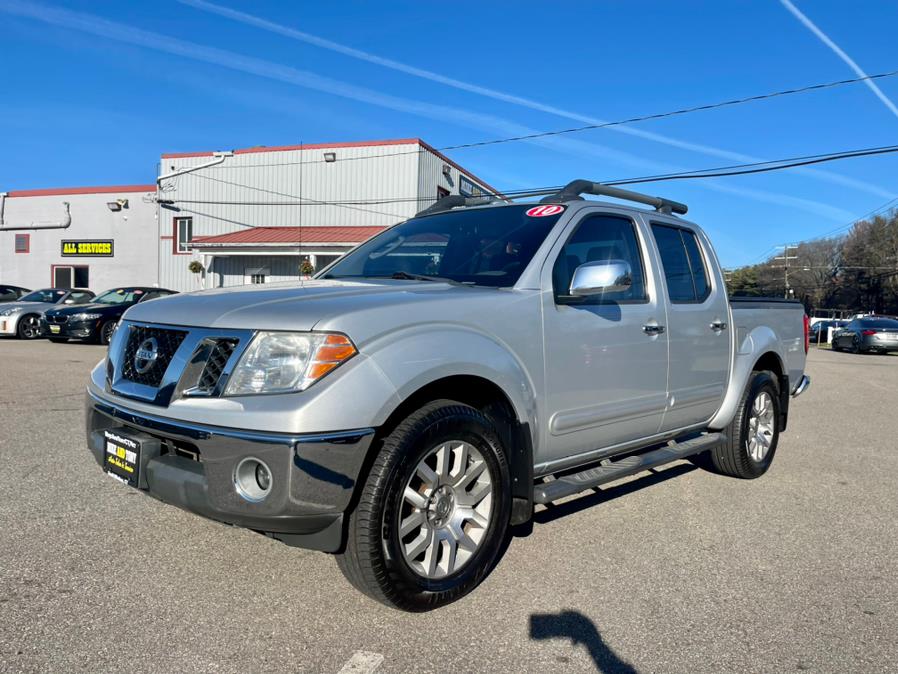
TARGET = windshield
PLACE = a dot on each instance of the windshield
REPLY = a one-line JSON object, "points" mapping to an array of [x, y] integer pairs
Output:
{"points": [[486, 246], [48, 295], [119, 296]]}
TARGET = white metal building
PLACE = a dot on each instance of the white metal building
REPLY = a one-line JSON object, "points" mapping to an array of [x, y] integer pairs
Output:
{"points": [[79, 237], [220, 219], [254, 215]]}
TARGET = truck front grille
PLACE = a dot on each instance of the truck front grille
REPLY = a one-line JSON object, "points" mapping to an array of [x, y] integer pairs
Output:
{"points": [[215, 365], [166, 342]]}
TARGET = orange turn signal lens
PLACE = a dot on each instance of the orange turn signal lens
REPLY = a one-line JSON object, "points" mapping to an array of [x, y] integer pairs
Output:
{"points": [[331, 352]]}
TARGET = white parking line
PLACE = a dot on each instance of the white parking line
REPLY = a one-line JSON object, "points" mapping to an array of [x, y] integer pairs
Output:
{"points": [[362, 662]]}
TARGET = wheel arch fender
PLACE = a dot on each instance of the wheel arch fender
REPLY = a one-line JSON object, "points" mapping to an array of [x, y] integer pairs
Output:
{"points": [[472, 368], [760, 349]]}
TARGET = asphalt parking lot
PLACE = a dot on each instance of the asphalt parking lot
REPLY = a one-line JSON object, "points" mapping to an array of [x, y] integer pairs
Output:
{"points": [[681, 571]]}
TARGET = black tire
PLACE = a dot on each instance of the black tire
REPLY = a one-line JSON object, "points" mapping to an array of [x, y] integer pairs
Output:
{"points": [[29, 327], [59, 340], [733, 458], [855, 346], [373, 561], [105, 333]]}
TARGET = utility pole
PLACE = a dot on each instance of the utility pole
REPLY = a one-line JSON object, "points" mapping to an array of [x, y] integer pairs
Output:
{"points": [[785, 257]]}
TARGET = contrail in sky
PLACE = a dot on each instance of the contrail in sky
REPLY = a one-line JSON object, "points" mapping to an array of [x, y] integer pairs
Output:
{"points": [[811, 26], [107, 29], [287, 31]]}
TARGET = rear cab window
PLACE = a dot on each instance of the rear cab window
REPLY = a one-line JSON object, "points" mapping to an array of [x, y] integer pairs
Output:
{"points": [[683, 264]]}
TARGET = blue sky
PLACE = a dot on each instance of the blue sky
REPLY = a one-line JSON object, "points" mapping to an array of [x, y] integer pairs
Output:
{"points": [[88, 102]]}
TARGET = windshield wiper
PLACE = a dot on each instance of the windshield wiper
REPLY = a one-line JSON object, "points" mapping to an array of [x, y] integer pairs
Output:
{"points": [[406, 276]]}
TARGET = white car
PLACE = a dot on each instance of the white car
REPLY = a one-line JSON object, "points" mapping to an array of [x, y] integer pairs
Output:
{"points": [[22, 318]]}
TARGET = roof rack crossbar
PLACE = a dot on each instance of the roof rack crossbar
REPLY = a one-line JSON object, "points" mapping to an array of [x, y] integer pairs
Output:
{"points": [[455, 201], [574, 189]]}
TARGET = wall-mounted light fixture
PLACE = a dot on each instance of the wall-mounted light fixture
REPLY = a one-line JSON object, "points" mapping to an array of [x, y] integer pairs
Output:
{"points": [[330, 157], [447, 169], [113, 206]]}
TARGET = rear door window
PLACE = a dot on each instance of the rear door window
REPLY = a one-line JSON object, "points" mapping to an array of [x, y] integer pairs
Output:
{"points": [[684, 266]]}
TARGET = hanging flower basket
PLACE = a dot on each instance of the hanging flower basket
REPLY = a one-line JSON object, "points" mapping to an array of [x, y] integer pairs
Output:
{"points": [[195, 267]]}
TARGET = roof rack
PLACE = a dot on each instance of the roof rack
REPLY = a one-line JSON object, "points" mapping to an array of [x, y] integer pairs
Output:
{"points": [[570, 192], [575, 188], [454, 201]]}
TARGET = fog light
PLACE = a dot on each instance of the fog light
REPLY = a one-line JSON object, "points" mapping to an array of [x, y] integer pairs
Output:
{"points": [[252, 479], [263, 477]]}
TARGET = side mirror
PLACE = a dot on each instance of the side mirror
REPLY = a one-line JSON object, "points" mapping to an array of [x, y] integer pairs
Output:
{"points": [[604, 276]]}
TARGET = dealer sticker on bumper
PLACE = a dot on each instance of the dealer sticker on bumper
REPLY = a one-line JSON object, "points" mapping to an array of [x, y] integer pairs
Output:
{"points": [[121, 458]]}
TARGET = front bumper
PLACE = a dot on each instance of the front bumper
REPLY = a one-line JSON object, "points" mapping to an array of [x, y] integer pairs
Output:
{"points": [[9, 324], [314, 474], [70, 329]]}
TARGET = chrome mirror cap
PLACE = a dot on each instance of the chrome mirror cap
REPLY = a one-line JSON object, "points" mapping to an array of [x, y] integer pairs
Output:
{"points": [[601, 276]]}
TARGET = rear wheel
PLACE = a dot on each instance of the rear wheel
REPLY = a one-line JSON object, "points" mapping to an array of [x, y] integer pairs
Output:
{"points": [[29, 327], [753, 434], [433, 513]]}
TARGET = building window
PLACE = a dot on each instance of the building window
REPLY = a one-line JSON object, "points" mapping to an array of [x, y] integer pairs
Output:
{"points": [[183, 234], [256, 275], [23, 243], [442, 192], [70, 276]]}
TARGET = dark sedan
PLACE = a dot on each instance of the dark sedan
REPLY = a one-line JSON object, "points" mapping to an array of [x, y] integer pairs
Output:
{"points": [[872, 333], [96, 321], [12, 293]]}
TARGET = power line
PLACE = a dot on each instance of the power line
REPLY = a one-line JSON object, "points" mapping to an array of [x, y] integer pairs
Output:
{"points": [[682, 111], [589, 127], [715, 172], [758, 167]]}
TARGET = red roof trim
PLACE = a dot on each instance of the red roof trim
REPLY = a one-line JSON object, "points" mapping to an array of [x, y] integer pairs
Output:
{"points": [[286, 148], [109, 189], [291, 236]]}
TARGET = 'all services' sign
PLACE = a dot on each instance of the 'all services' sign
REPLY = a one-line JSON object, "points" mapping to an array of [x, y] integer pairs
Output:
{"points": [[87, 248]]}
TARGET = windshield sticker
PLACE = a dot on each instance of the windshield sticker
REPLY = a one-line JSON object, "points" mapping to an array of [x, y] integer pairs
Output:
{"points": [[544, 211]]}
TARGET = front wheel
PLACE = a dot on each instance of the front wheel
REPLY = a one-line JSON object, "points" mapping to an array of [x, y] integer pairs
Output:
{"points": [[753, 434], [106, 332], [29, 327], [433, 513]]}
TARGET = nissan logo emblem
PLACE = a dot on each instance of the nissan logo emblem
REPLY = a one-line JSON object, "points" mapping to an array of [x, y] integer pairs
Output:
{"points": [[146, 355]]}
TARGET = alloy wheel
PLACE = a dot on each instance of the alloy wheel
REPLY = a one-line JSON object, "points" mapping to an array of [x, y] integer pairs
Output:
{"points": [[445, 510], [31, 327], [761, 426]]}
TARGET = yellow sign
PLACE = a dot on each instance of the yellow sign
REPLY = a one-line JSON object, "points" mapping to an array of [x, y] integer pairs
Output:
{"points": [[88, 248]]}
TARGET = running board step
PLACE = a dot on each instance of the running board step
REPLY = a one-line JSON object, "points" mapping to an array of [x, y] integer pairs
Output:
{"points": [[630, 465]]}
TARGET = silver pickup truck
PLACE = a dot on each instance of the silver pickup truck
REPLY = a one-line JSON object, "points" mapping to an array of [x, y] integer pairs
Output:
{"points": [[414, 401]]}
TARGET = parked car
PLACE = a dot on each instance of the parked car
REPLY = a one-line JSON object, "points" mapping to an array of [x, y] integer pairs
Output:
{"points": [[819, 331], [870, 334], [12, 293], [407, 406], [22, 318], [96, 321]]}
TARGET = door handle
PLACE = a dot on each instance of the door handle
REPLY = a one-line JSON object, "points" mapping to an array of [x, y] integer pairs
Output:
{"points": [[653, 329], [718, 326]]}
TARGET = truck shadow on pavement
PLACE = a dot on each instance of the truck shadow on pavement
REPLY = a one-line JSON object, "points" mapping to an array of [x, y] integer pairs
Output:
{"points": [[575, 505], [580, 630]]}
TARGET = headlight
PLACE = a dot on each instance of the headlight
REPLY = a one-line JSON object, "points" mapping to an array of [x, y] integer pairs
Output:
{"points": [[12, 311], [281, 362], [86, 317]]}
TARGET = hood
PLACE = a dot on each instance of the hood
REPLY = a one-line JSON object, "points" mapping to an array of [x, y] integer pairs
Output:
{"points": [[293, 306], [30, 307], [69, 309]]}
